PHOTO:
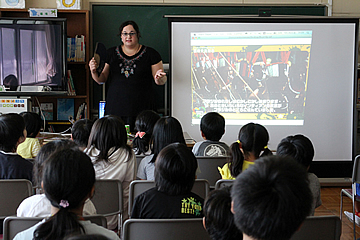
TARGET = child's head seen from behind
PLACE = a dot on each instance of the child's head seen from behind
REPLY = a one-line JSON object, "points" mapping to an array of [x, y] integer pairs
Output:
{"points": [[299, 147], [32, 122], [212, 126], [12, 131]]}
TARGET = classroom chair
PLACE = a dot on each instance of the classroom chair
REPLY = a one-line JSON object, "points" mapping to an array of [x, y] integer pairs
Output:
{"points": [[209, 168], [13, 192], [319, 227], [351, 193], [162, 229], [138, 160], [14, 225], [201, 187], [223, 182], [108, 199]]}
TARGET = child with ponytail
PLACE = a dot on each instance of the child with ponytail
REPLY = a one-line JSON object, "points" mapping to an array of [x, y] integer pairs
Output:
{"points": [[144, 125], [251, 144], [68, 181]]}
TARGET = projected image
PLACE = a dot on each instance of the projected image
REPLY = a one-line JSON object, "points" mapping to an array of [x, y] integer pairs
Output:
{"points": [[260, 76]]}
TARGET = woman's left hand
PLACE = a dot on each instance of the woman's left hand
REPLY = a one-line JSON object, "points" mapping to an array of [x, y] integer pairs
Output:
{"points": [[159, 74]]}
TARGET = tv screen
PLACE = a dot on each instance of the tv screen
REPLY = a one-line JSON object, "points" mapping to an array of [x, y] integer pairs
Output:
{"points": [[32, 53], [292, 75]]}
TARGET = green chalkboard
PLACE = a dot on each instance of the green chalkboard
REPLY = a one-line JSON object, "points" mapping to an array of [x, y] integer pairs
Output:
{"points": [[154, 27], [106, 20]]}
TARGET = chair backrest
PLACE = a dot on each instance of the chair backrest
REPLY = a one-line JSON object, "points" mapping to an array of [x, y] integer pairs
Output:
{"points": [[108, 197], [223, 182], [97, 219], [158, 229], [201, 187], [319, 227], [14, 225], [138, 160], [209, 168], [356, 170], [13, 192]]}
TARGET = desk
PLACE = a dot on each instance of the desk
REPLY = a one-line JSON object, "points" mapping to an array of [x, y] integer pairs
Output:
{"points": [[190, 142]]}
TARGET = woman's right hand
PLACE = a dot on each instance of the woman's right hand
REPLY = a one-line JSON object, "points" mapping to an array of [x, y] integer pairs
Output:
{"points": [[93, 65]]}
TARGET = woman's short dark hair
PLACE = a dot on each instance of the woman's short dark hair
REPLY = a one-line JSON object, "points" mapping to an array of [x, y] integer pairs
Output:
{"points": [[166, 130], [45, 152], [11, 82], [132, 23], [109, 132], [219, 220], [12, 127], [32, 123], [145, 122], [175, 169], [68, 179]]}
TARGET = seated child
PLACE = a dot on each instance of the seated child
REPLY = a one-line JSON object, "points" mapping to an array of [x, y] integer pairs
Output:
{"points": [[171, 197], [251, 144], [112, 157], [68, 181], [13, 133], [212, 128], [80, 132], [302, 150], [218, 219], [271, 199], [31, 146], [144, 126], [38, 205], [167, 130]]}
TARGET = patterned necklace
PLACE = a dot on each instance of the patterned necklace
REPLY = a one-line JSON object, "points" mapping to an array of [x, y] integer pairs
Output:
{"points": [[127, 66]]}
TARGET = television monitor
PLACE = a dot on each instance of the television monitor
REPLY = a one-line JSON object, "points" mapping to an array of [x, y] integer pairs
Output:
{"points": [[33, 53], [294, 75]]}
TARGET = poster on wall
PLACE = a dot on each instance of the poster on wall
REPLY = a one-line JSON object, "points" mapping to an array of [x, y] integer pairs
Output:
{"points": [[68, 4], [12, 3]]}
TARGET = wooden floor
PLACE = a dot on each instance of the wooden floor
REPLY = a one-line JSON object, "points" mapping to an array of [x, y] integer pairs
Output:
{"points": [[330, 197]]}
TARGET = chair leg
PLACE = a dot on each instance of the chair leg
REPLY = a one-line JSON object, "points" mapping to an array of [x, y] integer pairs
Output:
{"points": [[354, 222], [341, 205]]}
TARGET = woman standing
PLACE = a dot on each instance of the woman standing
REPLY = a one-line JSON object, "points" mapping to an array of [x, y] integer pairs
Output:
{"points": [[129, 71]]}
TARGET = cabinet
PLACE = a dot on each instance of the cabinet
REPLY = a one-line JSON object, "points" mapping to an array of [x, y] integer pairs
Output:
{"points": [[77, 24]]}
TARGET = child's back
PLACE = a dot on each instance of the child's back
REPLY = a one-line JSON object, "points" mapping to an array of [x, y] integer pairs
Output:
{"points": [[31, 146], [302, 150], [212, 128], [12, 133], [111, 156]]}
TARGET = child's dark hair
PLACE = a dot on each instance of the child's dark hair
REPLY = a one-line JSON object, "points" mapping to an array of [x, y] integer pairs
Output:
{"points": [[253, 139], [12, 127], [144, 125], [219, 220], [107, 133], [45, 152], [166, 130], [68, 180], [132, 23], [80, 131], [299, 147], [175, 169], [272, 198], [212, 126], [32, 123]]}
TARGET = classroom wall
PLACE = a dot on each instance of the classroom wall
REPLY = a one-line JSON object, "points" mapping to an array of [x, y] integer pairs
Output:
{"points": [[337, 7]]}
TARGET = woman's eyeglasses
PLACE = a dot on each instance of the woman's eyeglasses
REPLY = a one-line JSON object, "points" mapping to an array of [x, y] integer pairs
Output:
{"points": [[131, 34]]}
